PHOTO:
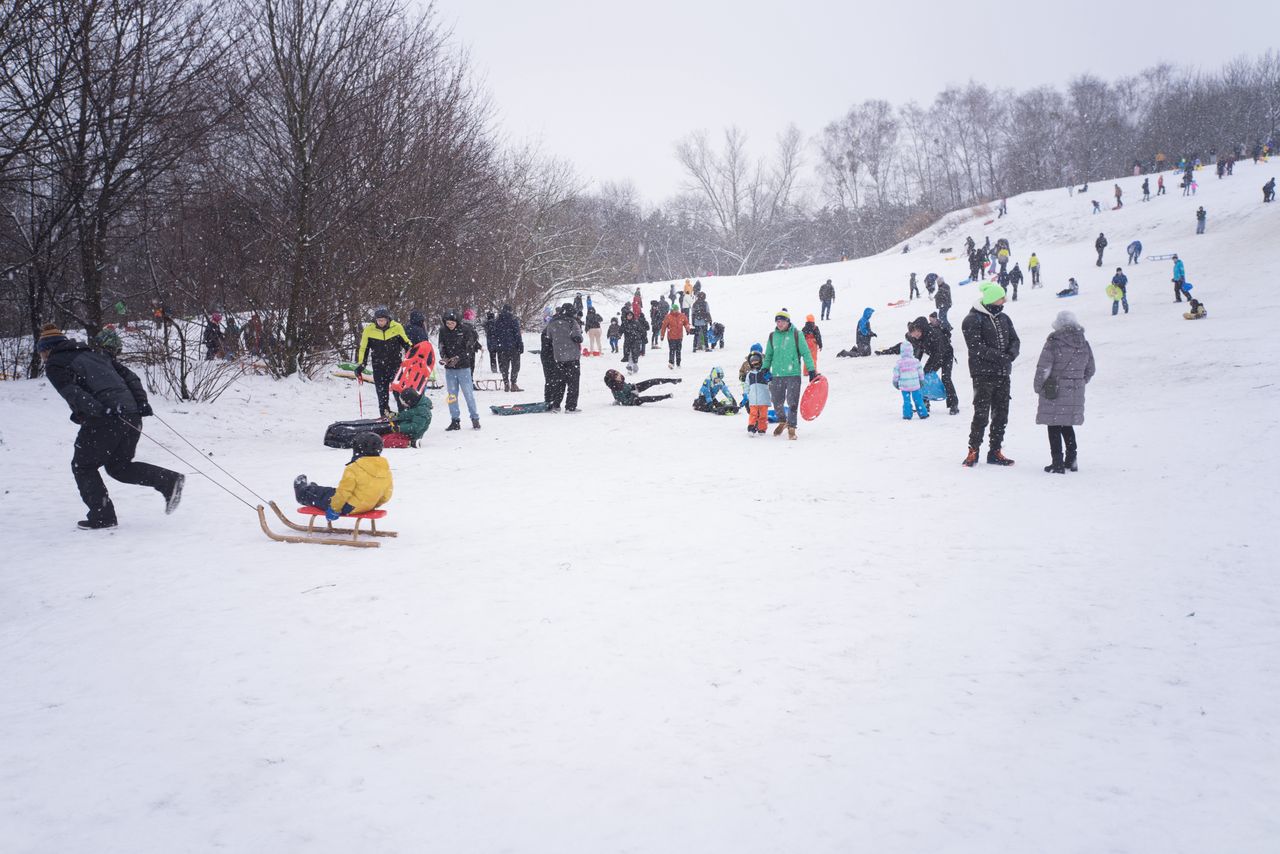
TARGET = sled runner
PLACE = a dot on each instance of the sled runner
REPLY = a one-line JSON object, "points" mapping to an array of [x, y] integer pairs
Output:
{"points": [[814, 399], [328, 535], [518, 408], [486, 385]]}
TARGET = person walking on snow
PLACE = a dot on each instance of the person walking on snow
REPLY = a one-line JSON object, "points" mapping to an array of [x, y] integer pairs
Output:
{"points": [[1119, 194], [508, 343], [1179, 278], [1146, 189], [487, 326], [635, 333], [674, 327], [657, 314], [565, 334], [942, 301], [913, 288], [701, 316], [383, 342], [213, 337], [1159, 185], [1134, 249], [1062, 372], [1119, 292], [108, 402], [1015, 279], [813, 337], [1269, 191], [614, 334], [786, 354], [1033, 264], [637, 304], [458, 345], [1201, 215], [993, 346], [827, 295], [1101, 245]]}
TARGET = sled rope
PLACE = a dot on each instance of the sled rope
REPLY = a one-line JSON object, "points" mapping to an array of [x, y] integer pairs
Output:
{"points": [[205, 456], [195, 468]]}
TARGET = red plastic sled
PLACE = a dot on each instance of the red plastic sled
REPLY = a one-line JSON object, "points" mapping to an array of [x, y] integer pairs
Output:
{"points": [[416, 368], [814, 399]]}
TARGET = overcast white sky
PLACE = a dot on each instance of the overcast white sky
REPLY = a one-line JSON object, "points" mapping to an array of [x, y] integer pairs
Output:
{"points": [[610, 87]]}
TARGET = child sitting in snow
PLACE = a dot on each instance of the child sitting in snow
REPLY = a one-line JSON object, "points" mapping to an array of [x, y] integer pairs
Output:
{"points": [[708, 396], [411, 423], [756, 379], [715, 336], [365, 485], [1071, 289], [908, 377], [628, 394], [1197, 311]]}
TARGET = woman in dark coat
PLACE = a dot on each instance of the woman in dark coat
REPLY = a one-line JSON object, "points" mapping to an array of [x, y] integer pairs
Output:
{"points": [[1065, 367]]}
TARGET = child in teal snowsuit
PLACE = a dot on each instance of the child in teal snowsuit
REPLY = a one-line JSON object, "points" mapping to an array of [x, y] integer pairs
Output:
{"points": [[908, 377]]}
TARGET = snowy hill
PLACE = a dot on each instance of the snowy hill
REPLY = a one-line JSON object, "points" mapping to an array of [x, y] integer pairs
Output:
{"points": [[640, 630]]}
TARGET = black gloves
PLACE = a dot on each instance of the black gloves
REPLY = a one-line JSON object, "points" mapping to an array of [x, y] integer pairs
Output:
{"points": [[145, 410], [813, 375], [359, 370]]}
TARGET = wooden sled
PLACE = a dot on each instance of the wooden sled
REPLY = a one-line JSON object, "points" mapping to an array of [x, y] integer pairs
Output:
{"points": [[328, 535]]}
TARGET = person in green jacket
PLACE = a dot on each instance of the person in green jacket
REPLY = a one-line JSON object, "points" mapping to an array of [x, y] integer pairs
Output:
{"points": [[785, 356], [414, 419]]}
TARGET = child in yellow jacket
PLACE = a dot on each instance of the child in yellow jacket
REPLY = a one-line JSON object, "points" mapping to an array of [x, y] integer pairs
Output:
{"points": [[365, 485]]}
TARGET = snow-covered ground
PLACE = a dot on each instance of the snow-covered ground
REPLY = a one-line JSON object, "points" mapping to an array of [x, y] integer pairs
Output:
{"points": [[641, 631]]}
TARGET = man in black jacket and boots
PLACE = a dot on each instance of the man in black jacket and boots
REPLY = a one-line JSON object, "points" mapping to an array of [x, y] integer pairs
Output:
{"points": [[993, 345], [564, 334], [108, 403], [936, 343]]}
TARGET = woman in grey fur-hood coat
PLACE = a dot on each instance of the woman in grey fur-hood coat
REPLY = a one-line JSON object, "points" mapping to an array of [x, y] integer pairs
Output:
{"points": [[1068, 358]]}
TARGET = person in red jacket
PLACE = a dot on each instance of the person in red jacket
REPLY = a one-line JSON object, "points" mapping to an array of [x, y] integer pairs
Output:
{"points": [[674, 326]]}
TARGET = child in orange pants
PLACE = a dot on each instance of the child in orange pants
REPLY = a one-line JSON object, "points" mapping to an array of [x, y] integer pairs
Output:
{"points": [[757, 382]]}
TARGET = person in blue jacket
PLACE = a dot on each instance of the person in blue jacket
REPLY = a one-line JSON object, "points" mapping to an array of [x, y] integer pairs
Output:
{"points": [[1179, 278], [1134, 249], [863, 343], [1121, 281], [708, 399]]}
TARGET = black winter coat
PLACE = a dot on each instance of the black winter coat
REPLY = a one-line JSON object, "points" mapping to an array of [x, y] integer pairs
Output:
{"points": [[94, 384], [635, 333], [506, 334], [1100, 243], [593, 319], [461, 344], [993, 344], [701, 313], [936, 345], [943, 298]]}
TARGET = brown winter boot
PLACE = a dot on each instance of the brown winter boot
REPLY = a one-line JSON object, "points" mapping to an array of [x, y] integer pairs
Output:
{"points": [[506, 385], [972, 459], [791, 433], [996, 457], [782, 425]]}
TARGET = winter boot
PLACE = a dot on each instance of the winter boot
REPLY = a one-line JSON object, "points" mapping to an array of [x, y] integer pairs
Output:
{"points": [[996, 457], [95, 524], [506, 385], [955, 410], [791, 433], [174, 494], [1070, 462], [475, 423], [453, 425], [1055, 467], [971, 459], [299, 484], [782, 425], [515, 387]]}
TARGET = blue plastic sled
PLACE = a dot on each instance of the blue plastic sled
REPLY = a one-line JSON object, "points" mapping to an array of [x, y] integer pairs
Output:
{"points": [[933, 388]]}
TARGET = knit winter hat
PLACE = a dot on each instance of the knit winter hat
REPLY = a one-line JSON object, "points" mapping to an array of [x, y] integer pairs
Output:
{"points": [[756, 348], [50, 336], [783, 314], [808, 318], [990, 292]]}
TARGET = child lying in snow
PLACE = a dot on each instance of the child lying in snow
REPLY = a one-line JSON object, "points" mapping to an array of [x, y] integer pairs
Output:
{"points": [[1197, 312], [628, 394], [365, 485]]}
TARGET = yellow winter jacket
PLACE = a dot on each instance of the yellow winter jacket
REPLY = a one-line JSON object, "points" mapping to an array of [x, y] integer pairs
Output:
{"points": [[365, 485], [388, 344]]}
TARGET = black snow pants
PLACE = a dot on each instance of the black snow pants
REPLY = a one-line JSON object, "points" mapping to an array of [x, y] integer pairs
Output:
{"points": [[565, 386], [111, 443], [990, 402]]}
